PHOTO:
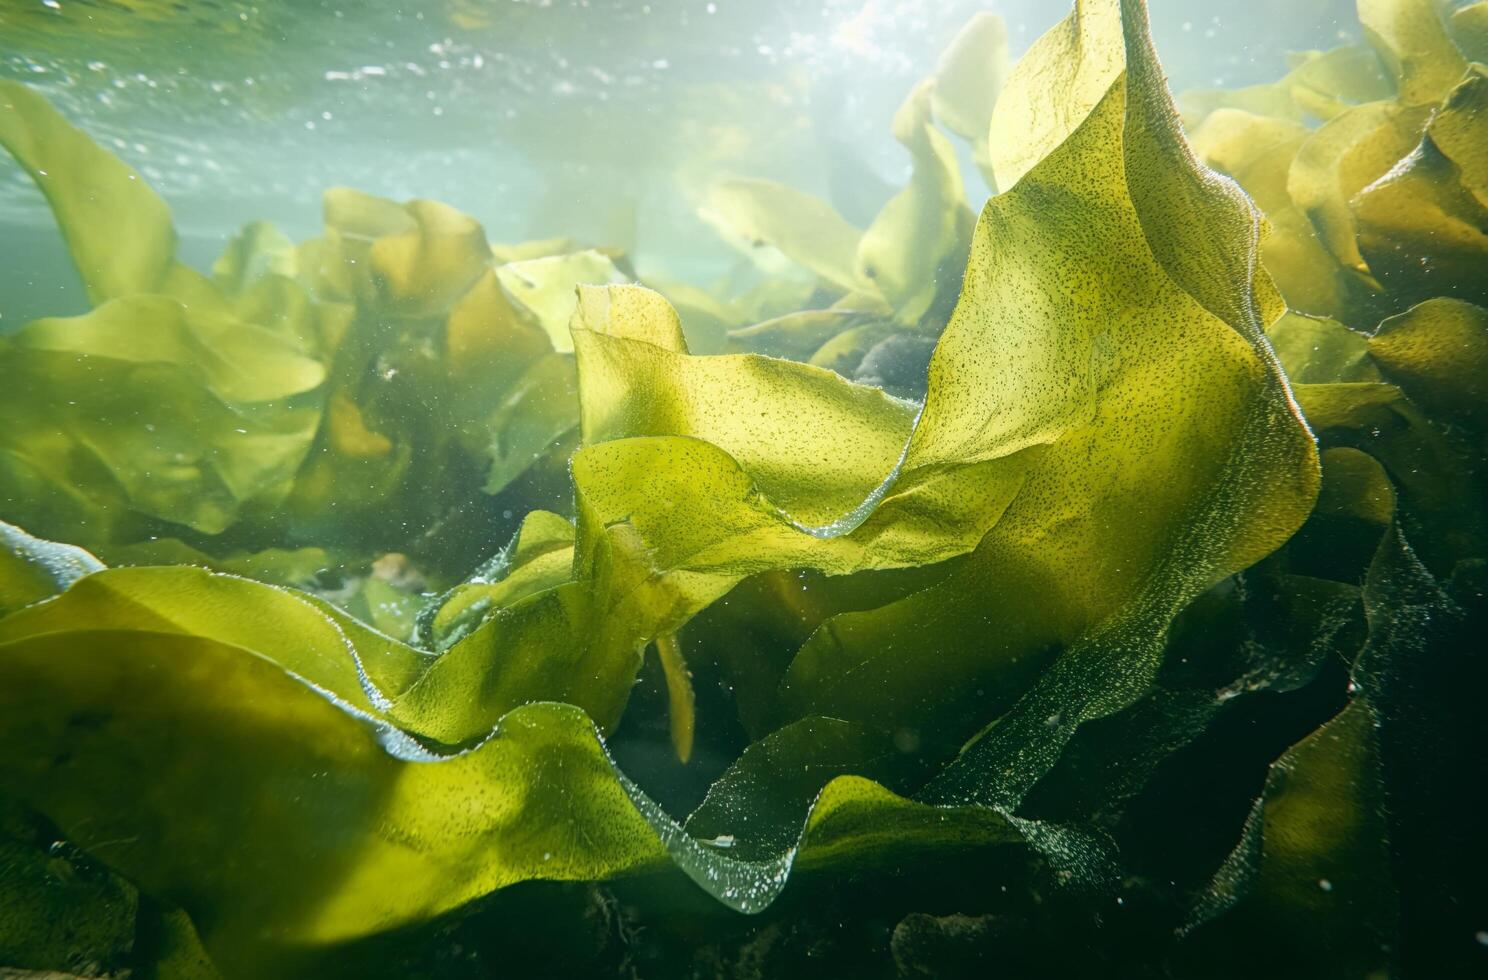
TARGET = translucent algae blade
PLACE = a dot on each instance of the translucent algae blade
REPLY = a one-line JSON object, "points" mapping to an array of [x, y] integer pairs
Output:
{"points": [[1113, 443], [339, 826], [968, 80], [100, 202], [805, 228], [1147, 262]]}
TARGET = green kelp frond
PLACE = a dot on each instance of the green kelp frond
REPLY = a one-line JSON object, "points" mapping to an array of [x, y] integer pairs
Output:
{"points": [[388, 373], [1379, 207], [283, 703], [909, 256]]}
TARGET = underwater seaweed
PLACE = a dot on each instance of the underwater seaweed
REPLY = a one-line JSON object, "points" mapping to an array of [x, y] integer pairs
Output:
{"points": [[1108, 608]]}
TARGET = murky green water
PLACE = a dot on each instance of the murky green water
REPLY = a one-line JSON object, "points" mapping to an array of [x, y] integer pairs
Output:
{"points": [[742, 490]]}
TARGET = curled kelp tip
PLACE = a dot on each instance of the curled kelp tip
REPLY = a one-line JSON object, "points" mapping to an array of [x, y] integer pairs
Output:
{"points": [[33, 570]]}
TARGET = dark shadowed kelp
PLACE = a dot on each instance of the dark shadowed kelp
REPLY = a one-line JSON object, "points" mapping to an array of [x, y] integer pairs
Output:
{"points": [[1135, 637]]}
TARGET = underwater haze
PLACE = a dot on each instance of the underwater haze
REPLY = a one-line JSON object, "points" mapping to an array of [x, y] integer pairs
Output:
{"points": [[878, 488], [604, 120]]}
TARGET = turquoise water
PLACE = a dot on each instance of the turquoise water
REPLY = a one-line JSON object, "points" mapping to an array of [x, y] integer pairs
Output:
{"points": [[245, 110]]}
